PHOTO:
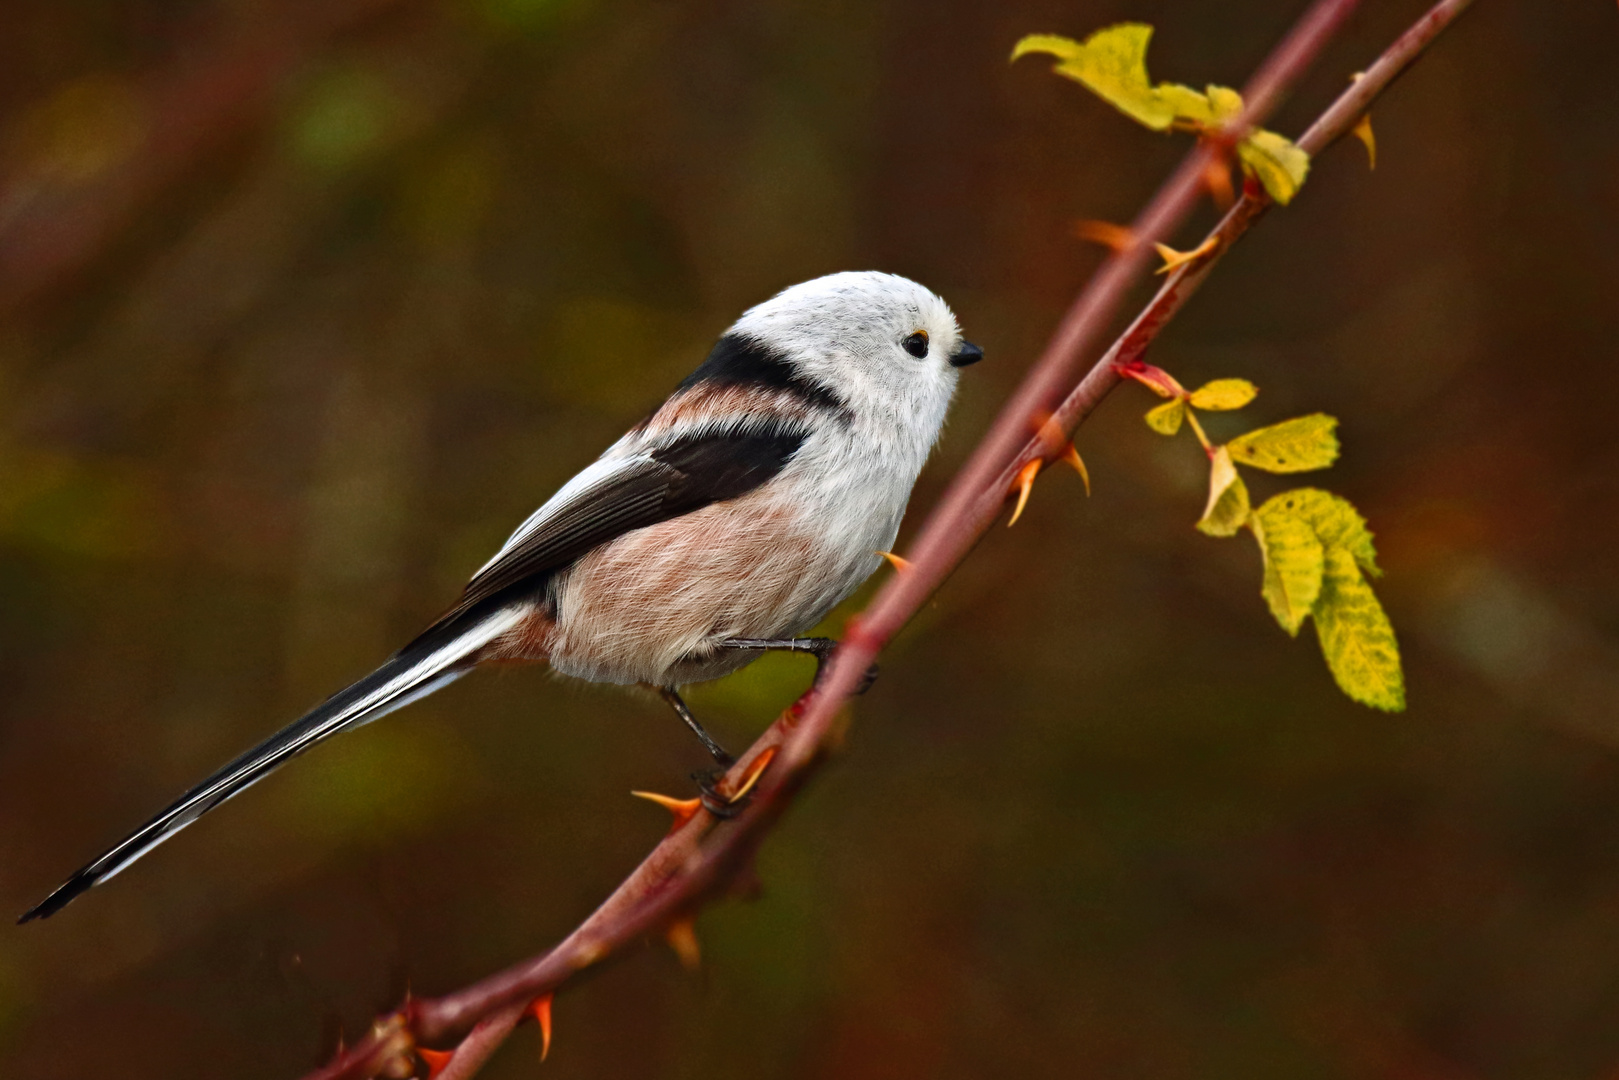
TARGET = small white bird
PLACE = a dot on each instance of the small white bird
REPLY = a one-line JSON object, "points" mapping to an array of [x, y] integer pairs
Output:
{"points": [[737, 514]]}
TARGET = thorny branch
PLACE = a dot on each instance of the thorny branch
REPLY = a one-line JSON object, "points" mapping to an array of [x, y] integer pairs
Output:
{"points": [[698, 858]]}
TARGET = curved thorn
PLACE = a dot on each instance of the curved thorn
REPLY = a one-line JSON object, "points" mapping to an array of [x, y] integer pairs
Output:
{"points": [[1174, 260], [1025, 483], [437, 1060], [682, 938], [1115, 238], [1363, 131], [1217, 179], [540, 1007], [760, 764], [682, 809], [1071, 456]]}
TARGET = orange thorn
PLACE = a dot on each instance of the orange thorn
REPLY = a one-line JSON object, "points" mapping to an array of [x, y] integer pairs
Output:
{"points": [[1217, 179], [1114, 237], [682, 809], [540, 1007], [437, 1060], [1173, 259], [760, 764], [682, 938], [1363, 132], [1025, 483], [1071, 456], [896, 561], [1051, 439]]}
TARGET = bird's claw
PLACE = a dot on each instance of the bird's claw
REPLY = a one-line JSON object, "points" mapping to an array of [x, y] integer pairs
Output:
{"points": [[708, 791]]}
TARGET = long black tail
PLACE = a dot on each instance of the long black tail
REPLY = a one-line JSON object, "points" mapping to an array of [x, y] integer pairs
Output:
{"points": [[420, 668]]}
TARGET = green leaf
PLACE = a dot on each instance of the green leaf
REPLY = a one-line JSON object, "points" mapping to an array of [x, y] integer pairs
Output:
{"points": [[1166, 419], [1112, 63], [1294, 561], [1356, 637], [1227, 510], [1222, 395], [1334, 519], [1297, 445], [1276, 162]]}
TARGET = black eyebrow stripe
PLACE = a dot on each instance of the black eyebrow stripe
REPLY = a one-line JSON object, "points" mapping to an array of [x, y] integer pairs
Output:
{"points": [[744, 362]]}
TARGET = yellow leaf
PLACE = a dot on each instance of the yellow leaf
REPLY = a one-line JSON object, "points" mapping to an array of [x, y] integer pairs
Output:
{"points": [[1225, 103], [1334, 519], [1112, 63], [1294, 560], [1187, 104], [1227, 510], [1276, 162], [1363, 132], [1222, 395], [1297, 445], [1166, 419], [1215, 107], [1356, 637]]}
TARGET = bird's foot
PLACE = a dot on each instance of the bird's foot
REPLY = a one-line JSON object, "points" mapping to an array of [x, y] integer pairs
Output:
{"points": [[708, 791]]}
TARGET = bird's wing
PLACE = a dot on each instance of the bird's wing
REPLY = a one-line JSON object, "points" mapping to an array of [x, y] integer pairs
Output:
{"points": [[617, 495]]}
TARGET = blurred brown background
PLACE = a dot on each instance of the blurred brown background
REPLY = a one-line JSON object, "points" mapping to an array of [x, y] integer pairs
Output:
{"points": [[307, 303]]}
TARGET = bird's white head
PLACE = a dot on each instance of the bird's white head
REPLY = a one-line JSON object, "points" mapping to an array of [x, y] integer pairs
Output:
{"points": [[884, 345]]}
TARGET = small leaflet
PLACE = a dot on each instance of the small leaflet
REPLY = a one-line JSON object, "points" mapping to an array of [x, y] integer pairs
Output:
{"points": [[1227, 510], [1166, 419], [1297, 445], [1112, 63], [1356, 637], [1222, 395], [1276, 162], [1334, 519], [1294, 562]]}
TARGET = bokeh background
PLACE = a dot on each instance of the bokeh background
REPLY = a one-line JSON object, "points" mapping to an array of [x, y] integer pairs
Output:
{"points": [[304, 304]]}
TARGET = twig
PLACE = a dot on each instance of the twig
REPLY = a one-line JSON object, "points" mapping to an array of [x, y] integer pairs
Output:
{"points": [[683, 871]]}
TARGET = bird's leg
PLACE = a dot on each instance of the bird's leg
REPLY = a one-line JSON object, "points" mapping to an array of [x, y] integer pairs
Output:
{"points": [[706, 778], [819, 647], [723, 759]]}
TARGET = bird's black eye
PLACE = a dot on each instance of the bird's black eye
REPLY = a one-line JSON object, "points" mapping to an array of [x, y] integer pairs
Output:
{"points": [[917, 344]]}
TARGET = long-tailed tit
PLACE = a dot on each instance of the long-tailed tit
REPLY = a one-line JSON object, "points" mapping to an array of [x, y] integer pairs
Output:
{"points": [[736, 515]]}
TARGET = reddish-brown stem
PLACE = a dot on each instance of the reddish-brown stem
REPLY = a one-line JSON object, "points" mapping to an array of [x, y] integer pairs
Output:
{"points": [[695, 861]]}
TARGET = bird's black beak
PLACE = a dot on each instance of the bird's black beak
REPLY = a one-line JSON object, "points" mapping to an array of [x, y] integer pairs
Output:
{"points": [[966, 353]]}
